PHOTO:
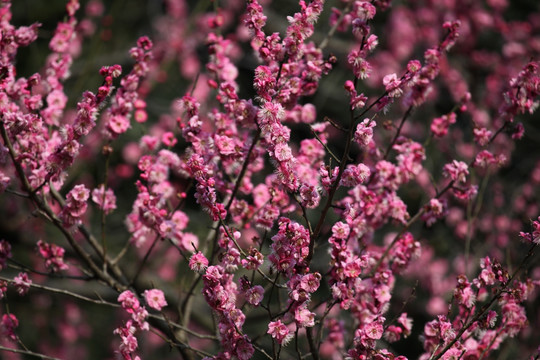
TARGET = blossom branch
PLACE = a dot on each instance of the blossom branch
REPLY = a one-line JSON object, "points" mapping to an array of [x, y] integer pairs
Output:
{"points": [[53, 218], [488, 305]]}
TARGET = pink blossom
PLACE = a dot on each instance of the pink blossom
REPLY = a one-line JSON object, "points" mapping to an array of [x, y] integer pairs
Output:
{"points": [[4, 182], [286, 208], [361, 67], [341, 230], [392, 85], [225, 144], [374, 330], [128, 300], [392, 333], [364, 132], [304, 317], [484, 158], [283, 152], [198, 262], [355, 174], [8, 325], [169, 139], [22, 283], [244, 349], [310, 282], [118, 124], [25, 35], [457, 171], [254, 295], [53, 255], [78, 194], [129, 342], [434, 210], [279, 331], [439, 126], [406, 323], [104, 198], [482, 136], [253, 260], [310, 196], [76, 205], [3, 288], [155, 299]]}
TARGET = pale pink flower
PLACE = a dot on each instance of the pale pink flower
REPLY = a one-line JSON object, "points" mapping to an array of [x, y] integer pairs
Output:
{"points": [[304, 317], [155, 299], [374, 330], [105, 199]]}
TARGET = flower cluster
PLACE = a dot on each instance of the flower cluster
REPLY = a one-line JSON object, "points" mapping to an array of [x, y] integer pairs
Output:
{"points": [[533, 236], [22, 283], [8, 325], [290, 247], [104, 198], [76, 205], [480, 328], [126, 98], [130, 303], [219, 291], [53, 256], [305, 179]]}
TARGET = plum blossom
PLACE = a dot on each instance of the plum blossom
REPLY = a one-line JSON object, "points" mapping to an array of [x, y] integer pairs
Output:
{"points": [[280, 332], [22, 283], [364, 132], [457, 171], [155, 299], [105, 199]]}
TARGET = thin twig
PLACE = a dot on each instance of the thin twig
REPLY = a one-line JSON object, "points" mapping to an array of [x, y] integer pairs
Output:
{"points": [[66, 292], [243, 171], [243, 253], [28, 352], [143, 262], [314, 350], [324, 145], [333, 29], [16, 265], [398, 132], [107, 150]]}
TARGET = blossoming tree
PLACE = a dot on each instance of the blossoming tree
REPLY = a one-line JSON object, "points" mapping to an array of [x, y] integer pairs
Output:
{"points": [[350, 180]]}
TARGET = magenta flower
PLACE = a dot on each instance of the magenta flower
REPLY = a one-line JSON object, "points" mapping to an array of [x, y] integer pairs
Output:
{"points": [[53, 255]]}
